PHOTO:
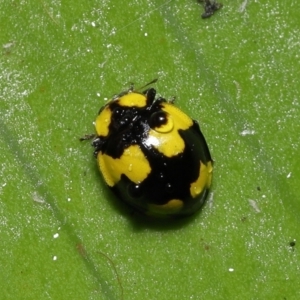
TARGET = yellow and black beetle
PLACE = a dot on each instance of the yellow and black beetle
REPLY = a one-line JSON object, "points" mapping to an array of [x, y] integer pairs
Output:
{"points": [[152, 155]]}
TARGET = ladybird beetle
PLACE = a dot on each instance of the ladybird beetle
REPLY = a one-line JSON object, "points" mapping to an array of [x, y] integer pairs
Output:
{"points": [[151, 154]]}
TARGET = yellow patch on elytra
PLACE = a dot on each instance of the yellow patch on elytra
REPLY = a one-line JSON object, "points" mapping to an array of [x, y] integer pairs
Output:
{"points": [[203, 181], [133, 99], [132, 163], [103, 122], [172, 206]]}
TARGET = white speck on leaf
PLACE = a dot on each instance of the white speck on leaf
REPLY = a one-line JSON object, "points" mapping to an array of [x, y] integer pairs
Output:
{"points": [[37, 198], [243, 6], [247, 132], [254, 205]]}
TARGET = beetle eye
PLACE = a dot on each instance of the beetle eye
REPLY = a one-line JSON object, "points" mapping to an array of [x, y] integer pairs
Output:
{"points": [[161, 122], [158, 118]]}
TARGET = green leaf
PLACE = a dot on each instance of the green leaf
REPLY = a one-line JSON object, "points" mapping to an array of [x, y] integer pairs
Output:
{"points": [[64, 235]]}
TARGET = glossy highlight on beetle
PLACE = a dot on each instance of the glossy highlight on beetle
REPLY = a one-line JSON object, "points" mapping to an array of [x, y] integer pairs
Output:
{"points": [[152, 155]]}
